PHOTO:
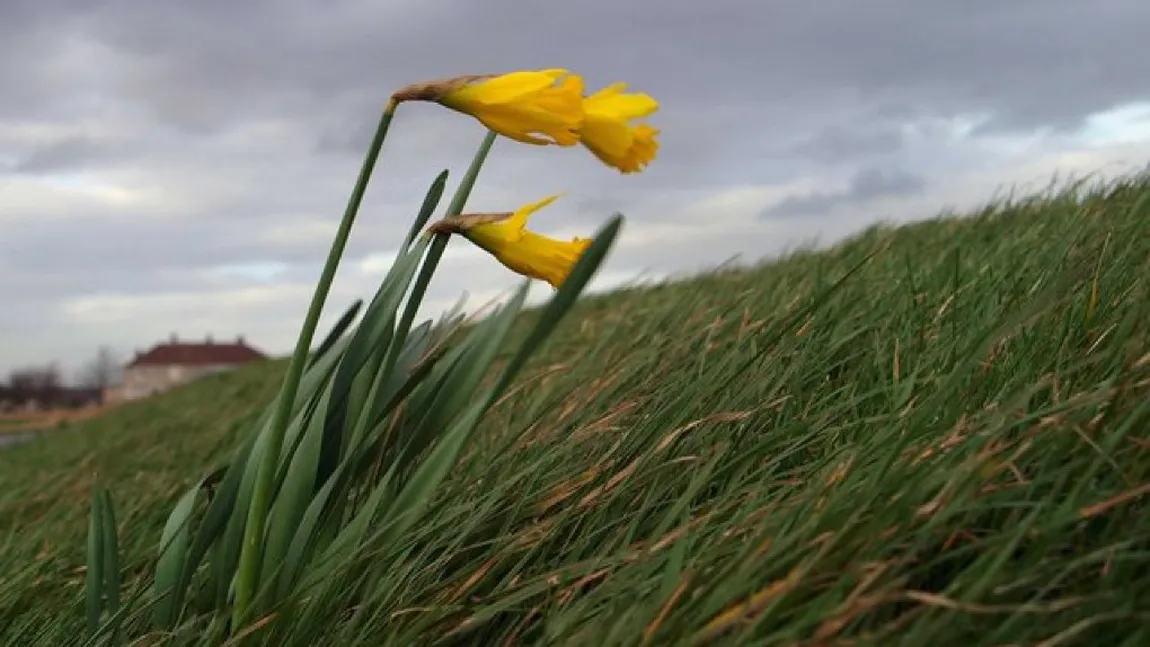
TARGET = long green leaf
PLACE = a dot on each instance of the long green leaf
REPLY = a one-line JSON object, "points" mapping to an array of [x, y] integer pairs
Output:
{"points": [[111, 556], [94, 578], [412, 497], [336, 332], [225, 519], [102, 580], [430, 202], [247, 576], [564, 298], [374, 333], [293, 497], [174, 543], [417, 492]]}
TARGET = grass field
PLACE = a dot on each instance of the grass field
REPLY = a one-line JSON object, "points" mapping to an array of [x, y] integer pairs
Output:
{"points": [[22, 422], [951, 447]]}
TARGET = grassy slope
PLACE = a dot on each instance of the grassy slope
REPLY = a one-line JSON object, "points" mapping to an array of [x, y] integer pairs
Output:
{"points": [[949, 450]]}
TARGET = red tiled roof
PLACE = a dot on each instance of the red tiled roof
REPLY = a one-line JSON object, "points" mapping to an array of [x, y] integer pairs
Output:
{"points": [[198, 353]]}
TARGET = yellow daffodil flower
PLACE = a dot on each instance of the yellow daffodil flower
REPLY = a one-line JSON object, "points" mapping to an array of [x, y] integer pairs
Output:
{"points": [[506, 237], [607, 131], [538, 107]]}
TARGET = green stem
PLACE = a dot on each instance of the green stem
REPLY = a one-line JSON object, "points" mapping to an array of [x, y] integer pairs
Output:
{"points": [[440, 243], [248, 574], [465, 185], [430, 262]]}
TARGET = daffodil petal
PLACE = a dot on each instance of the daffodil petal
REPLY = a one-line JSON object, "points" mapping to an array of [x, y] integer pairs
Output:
{"points": [[609, 91], [518, 220], [624, 107], [608, 138], [513, 86], [526, 106]]}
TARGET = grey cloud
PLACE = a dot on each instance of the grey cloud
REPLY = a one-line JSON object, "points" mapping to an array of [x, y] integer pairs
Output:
{"points": [[866, 185], [985, 55], [138, 255], [248, 117], [738, 73], [65, 154], [837, 144], [204, 64], [876, 182]]}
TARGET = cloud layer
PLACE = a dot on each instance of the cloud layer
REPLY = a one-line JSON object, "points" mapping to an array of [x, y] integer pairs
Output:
{"points": [[180, 167]]}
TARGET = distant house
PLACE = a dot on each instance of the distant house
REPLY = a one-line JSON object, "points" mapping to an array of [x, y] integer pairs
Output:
{"points": [[171, 364]]}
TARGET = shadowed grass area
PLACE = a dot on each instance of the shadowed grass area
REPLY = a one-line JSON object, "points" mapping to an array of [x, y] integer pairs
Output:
{"points": [[950, 446]]}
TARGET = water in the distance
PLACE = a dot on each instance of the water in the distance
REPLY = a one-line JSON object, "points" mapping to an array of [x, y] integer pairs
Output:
{"points": [[14, 438]]}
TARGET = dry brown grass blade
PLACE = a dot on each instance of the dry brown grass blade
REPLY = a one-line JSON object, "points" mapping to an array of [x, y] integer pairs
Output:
{"points": [[858, 601], [1113, 502], [513, 637], [1076, 629], [471, 581], [723, 416], [529, 382], [831, 627], [239, 637], [609, 422], [745, 610], [653, 627], [840, 471], [564, 491], [675, 534], [936, 600], [566, 596], [611, 484]]}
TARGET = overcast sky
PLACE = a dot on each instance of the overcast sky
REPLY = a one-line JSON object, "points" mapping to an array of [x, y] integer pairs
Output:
{"points": [[181, 166]]}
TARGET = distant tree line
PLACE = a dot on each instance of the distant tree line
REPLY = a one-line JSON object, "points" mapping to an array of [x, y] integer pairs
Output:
{"points": [[43, 386]]}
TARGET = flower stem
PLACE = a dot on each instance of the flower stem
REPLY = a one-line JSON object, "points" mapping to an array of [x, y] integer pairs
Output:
{"points": [[247, 576], [458, 201]]}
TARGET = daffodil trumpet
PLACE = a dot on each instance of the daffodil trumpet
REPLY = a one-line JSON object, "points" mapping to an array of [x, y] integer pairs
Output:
{"points": [[608, 131], [506, 237]]}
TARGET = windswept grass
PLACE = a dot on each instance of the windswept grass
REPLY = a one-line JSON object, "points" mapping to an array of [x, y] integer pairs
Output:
{"points": [[931, 435]]}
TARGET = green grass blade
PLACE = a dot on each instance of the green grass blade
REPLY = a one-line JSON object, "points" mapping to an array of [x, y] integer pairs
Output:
{"points": [[111, 556], [430, 202], [341, 325], [247, 578], [564, 298], [292, 498], [173, 559], [94, 577], [373, 335]]}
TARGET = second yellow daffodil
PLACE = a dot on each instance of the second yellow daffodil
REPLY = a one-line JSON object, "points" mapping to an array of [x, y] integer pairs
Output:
{"points": [[506, 237]]}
